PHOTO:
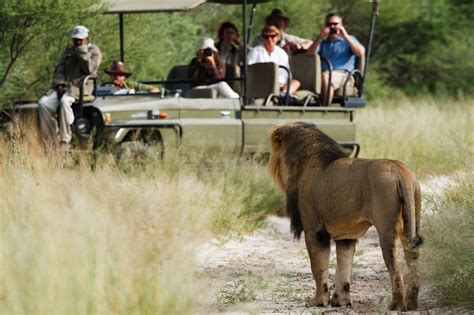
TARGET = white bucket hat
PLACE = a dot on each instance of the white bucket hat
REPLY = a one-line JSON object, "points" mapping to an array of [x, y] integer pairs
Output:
{"points": [[207, 43], [80, 32]]}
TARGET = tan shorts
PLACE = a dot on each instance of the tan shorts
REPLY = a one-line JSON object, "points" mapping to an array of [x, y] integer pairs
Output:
{"points": [[338, 78]]}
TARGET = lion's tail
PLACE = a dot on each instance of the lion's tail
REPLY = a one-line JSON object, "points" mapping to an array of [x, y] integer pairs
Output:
{"points": [[293, 210], [410, 194]]}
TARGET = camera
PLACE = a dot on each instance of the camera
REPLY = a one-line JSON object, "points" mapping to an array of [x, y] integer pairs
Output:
{"points": [[208, 52], [332, 30]]}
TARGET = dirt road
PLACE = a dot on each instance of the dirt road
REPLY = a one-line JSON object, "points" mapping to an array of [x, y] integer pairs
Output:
{"points": [[268, 272]]}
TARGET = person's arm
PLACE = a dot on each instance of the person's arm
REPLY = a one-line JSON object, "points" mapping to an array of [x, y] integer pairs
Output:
{"points": [[297, 43], [356, 47], [90, 58], [314, 47]]}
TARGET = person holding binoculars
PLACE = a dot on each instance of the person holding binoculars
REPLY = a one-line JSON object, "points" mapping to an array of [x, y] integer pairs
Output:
{"points": [[341, 49], [206, 67]]}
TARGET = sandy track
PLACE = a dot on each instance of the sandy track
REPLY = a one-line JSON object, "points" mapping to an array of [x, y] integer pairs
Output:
{"points": [[268, 272]]}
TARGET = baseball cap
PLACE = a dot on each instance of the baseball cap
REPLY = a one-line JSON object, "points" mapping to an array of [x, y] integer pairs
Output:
{"points": [[80, 32], [207, 43]]}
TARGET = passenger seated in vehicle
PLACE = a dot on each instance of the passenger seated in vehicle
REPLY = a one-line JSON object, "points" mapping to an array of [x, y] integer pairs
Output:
{"points": [[228, 45], [206, 66], [268, 51], [341, 49], [289, 43], [118, 74]]}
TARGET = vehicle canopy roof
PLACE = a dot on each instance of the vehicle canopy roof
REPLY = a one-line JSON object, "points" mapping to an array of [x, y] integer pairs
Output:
{"points": [[144, 6]]}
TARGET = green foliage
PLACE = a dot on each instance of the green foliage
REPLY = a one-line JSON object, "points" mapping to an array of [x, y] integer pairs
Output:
{"points": [[419, 46], [449, 250]]}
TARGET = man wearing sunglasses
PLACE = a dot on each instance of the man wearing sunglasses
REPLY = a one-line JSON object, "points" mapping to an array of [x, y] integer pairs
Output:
{"points": [[341, 49]]}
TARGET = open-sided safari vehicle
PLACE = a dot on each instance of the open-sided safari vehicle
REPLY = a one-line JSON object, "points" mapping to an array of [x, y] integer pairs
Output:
{"points": [[196, 117]]}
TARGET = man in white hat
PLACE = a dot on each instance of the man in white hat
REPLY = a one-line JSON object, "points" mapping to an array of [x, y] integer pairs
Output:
{"points": [[55, 113]]}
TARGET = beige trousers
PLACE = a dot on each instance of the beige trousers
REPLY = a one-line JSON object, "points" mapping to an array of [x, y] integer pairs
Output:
{"points": [[56, 116]]}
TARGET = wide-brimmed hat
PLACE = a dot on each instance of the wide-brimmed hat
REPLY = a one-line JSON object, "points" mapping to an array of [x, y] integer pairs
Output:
{"points": [[276, 13], [207, 43], [80, 32], [118, 67]]}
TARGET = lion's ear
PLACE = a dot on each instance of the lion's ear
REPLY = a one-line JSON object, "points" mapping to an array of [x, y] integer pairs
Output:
{"points": [[277, 137]]}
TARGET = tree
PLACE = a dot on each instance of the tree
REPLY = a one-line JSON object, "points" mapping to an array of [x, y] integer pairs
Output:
{"points": [[26, 21]]}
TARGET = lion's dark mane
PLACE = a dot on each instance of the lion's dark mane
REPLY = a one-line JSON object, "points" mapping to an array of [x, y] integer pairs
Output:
{"points": [[305, 143]]}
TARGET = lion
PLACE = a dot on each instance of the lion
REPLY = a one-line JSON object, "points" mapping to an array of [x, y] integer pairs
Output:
{"points": [[331, 196]]}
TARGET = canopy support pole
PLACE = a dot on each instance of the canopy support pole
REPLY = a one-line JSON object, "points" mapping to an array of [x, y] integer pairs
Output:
{"points": [[375, 12], [244, 33], [122, 51]]}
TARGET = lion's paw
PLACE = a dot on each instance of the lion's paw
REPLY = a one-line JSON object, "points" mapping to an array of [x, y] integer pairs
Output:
{"points": [[338, 300], [312, 302]]}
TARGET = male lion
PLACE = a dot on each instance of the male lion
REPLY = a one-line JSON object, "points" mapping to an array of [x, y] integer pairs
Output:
{"points": [[329, 195]]}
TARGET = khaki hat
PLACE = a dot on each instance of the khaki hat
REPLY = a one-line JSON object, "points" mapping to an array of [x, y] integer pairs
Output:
{"points": [[118, 68], [80, 32], [207, 43], [276, 13]]}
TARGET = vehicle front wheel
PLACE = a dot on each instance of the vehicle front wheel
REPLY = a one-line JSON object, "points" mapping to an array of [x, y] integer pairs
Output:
{"points": [[141, 145]]}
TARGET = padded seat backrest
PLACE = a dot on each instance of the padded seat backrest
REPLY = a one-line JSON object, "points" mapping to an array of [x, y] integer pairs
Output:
{"points": [[201, 93], [352, 86], [232, 71], [306, 68], [179, 72], [263, 80]]}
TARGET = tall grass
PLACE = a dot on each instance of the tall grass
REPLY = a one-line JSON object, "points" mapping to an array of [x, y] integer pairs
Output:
{"points": [[449, 249], [119, 238], [427, 135]]}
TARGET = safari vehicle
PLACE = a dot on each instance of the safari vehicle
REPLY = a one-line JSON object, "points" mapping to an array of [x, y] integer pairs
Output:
{"points": [[181, 115]]}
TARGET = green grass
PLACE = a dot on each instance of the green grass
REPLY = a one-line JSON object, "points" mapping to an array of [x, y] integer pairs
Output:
{"points": [[449, 250]]}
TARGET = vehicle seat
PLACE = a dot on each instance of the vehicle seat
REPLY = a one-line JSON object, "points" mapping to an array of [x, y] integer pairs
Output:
{"points": [[231, 72], [353, 83], [179, 72], [306, 68], [263, 82], [200, 93]]}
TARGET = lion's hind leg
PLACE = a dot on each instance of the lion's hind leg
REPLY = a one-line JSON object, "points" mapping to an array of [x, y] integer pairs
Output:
{"points": [[390, 256], [345, 250], [412, 253], [319, 247]]}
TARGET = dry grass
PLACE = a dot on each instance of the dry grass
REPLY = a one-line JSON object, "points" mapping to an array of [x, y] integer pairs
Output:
{"points": [[426, 135], [121, 238], [116, 239]]}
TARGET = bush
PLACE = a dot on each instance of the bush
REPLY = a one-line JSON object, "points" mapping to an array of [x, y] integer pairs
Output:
{"points": [[449, 250]]}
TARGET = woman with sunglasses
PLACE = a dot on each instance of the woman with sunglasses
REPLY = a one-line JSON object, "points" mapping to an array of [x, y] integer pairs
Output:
{"points": [[269, 51], [340, 48]]}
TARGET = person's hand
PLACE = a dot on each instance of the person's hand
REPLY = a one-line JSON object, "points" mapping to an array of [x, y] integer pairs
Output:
{"points": [[210, 61], [60, 89], [290, 46], [325, 32], [342, 30]]}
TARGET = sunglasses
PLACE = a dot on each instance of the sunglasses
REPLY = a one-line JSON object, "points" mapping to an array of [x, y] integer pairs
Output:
{"points": [[331, 24], [267, 36]]}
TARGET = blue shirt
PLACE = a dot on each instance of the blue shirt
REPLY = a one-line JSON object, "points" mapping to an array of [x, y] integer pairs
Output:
{"points": [[339, 53]]}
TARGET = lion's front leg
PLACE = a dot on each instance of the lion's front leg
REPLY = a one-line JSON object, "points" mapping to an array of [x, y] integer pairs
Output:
{"points": [[345, 250], [318, 246]]}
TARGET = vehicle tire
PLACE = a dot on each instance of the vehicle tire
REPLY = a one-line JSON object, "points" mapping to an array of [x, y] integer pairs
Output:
{"points": [[141, 145]]}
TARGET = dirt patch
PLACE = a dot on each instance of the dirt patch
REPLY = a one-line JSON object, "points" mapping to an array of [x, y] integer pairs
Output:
{"points": [[269, 272]]}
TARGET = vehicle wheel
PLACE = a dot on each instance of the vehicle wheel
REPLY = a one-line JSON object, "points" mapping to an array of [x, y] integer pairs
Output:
{"points": [[141, 145]]}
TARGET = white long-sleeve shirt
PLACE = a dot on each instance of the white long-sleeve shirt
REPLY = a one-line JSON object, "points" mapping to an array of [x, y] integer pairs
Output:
{"points": [[278, 55]]}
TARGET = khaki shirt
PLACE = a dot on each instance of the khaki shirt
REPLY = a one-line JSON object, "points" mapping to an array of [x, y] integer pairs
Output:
{"points": [[75, 64]]}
